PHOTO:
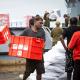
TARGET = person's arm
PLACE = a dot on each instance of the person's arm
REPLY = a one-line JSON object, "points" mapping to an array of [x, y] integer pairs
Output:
{"points": [[24, 33], [73, 41], [9, 40], [52, 32], [43, 36], [63, 43], [12, 33], [52, 19]]}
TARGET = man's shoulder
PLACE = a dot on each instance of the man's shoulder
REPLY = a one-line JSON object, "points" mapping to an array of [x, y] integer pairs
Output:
{"points": [[77, 33], [70, 28], [41, 29], [27, 29]]}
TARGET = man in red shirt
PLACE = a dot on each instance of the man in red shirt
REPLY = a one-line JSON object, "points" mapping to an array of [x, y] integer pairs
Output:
{"points": [[75, 46]]}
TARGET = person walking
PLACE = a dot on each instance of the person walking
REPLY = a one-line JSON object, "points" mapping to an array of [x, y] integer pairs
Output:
{"points": [[31, 64], [56, 33], [66, 18], [49, 18], [67, 33], [46, 20]]}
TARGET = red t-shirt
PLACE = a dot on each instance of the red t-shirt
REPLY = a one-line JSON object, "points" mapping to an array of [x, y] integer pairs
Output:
{"points": [[75, 45]]}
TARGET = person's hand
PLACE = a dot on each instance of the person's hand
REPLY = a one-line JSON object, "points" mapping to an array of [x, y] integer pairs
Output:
{"points": [[8, 42], [70, 50], [65, 48]]}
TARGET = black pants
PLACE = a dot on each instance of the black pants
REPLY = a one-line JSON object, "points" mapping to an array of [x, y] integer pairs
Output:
{"points": [[76, 73]]}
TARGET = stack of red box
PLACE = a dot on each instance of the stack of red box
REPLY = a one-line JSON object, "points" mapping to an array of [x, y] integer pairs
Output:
{"points": [[26, 47], [4, 34]]}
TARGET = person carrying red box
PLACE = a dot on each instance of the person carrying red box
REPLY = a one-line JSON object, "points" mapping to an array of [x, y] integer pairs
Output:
{"points": [[31, 64]]}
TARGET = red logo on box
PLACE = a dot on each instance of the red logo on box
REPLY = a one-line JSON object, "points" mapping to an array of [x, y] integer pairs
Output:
{"points": [[4, 34]]}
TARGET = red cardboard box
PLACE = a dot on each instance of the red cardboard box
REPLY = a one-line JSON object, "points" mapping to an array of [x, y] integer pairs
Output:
{"points": [[26, 47], [4, 34]]}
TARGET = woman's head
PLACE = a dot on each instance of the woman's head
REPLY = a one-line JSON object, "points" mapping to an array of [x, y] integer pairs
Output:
{"points": [[46, 16]]}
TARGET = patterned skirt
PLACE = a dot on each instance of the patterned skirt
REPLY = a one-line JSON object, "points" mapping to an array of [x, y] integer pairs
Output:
{"points": [[69, 61]]}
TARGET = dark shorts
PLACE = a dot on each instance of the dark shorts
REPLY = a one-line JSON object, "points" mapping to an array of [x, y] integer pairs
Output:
{"points": [[32, 65]]}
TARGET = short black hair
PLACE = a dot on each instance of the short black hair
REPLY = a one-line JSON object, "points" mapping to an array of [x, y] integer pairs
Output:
{"points": [[73, 21]]}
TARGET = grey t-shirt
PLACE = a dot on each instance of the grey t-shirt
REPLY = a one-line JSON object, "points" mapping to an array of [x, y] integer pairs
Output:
{"points": [[29, 32]]}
